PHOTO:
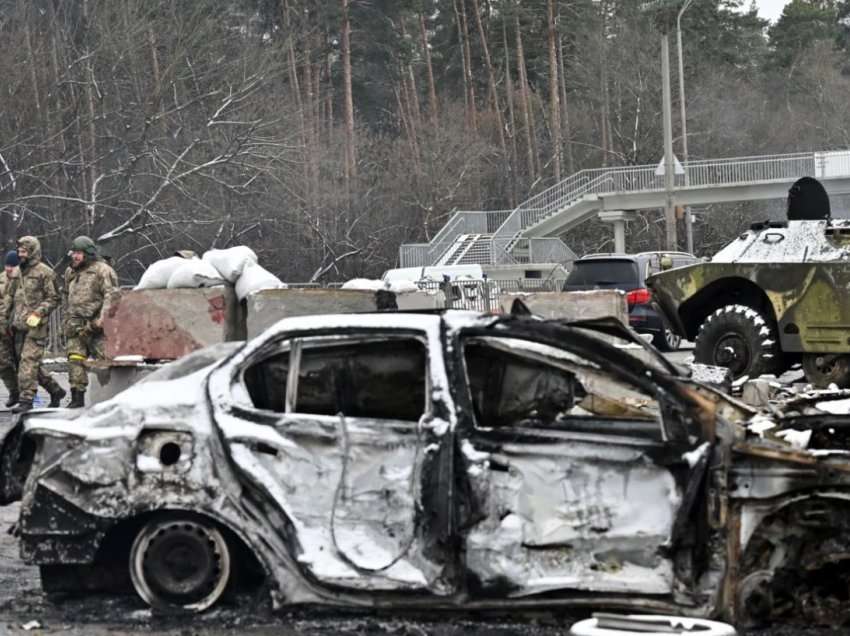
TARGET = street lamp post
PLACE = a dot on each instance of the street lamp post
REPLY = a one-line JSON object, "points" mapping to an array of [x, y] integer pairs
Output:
{"points": [[663, 10], [671, 242], [689, 226]]}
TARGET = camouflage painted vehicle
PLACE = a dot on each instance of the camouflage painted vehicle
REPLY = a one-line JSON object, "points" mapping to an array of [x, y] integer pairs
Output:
{"points": [[777, 295]]}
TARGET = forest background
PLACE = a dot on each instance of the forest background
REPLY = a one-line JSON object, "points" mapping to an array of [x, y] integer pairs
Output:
{"points": [[324, 133]]}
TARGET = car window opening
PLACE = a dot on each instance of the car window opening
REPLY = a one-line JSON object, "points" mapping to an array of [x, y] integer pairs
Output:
{"points": [[512, 389], [376, 379]]}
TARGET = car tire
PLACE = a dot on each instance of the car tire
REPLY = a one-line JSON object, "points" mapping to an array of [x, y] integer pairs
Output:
{"points": [[666, 340], [823, 369], [180, 564], [739, 338]]}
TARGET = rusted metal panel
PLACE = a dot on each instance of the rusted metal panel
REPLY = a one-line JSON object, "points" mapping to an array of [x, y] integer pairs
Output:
{"points": [[165, 324]]}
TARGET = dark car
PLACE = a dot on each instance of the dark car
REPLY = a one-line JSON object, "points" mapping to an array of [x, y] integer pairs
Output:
{"points": [[629, 272]]}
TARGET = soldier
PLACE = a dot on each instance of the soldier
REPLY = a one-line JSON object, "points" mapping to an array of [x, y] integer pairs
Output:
{"points": [[32, 297], [8, 364], [88, 281]]}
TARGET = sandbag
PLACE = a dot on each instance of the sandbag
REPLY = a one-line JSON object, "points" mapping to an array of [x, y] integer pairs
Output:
{"points": [[230, 263], [254, 278], [195, 273], [158, 273]]}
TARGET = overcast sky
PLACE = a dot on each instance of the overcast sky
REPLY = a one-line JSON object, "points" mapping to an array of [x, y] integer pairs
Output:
{"points": [[771, 9]]}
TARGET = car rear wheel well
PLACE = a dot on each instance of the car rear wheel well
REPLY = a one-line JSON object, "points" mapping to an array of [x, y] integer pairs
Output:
{"points": [[109, 572], [726, 291]]}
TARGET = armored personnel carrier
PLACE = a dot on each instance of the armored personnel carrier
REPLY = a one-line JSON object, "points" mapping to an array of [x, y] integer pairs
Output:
{"points": [[777, 295]]}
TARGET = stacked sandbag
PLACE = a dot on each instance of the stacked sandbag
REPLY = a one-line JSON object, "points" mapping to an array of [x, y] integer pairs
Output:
{"points": [[235, 265], [255, 278], [231, 262], [195, 273], [158, 274]]}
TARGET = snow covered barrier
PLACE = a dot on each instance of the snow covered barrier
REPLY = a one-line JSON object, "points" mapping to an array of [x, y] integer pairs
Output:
{"points": [[165, 324], [578, 305], [231, 262], [408, 296], [266, 307]]}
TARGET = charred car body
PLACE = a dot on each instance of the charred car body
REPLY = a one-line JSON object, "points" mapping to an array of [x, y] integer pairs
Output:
{"points": [[438, 460]]}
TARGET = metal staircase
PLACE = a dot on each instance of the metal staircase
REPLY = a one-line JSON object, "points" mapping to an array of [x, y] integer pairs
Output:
{"points": [[528, 233], [467, 248]]}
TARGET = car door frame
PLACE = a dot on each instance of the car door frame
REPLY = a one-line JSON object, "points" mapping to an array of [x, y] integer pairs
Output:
{"points": [[671, 444], [255, 425]]}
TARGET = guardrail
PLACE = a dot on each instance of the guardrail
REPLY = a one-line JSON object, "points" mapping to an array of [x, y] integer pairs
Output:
{"points": [[643, 178]]}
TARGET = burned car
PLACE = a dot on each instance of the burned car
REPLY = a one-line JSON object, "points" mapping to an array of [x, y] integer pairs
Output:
{"points": [[445, 460]]}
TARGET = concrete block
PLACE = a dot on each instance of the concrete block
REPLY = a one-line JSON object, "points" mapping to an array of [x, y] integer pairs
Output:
{"points": [[578, 305], [105, 382], [413, 301], [266, 307], [164, 324]]}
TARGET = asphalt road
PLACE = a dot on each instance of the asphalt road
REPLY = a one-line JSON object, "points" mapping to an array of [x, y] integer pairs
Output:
{"points": [[24, 609]]}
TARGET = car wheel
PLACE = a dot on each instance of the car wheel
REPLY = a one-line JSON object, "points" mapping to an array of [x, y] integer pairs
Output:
{"points": [[823, 369], [666, 340], [739, 338], [180, 564]]}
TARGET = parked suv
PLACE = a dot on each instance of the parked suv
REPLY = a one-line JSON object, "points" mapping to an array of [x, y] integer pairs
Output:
{"points": [[629, 273]]}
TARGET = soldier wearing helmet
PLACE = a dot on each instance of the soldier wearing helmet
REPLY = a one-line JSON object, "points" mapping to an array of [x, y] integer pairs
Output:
{"points": [[88, 282], [32, 297]]}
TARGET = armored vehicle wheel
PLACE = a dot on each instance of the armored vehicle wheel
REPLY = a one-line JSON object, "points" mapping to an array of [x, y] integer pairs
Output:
{"points": [[739, 338], [180, 564], [823, 369], [666, 340]]}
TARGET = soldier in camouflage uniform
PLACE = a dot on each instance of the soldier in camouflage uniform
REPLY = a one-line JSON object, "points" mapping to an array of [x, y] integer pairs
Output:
{"points": [[33, 296], [88, 282], [8, 359]]}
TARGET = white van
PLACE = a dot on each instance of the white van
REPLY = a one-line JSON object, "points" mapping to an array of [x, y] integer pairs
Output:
{"points": [[433, 273]]}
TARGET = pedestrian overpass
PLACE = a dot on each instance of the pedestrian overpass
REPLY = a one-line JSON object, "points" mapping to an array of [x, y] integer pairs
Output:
{"points": [[530, 233]]}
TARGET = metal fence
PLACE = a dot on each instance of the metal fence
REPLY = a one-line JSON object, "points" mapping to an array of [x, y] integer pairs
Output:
{"points": [[486, 295]]}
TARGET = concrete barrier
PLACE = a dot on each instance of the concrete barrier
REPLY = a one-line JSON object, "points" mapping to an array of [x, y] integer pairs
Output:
{"points": [[266, 307], [414, 301], [108, 380], [578, 305], [165, 324]]}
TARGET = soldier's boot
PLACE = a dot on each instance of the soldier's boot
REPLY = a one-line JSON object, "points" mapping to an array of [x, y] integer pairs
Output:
{"points": [[56, 396], [13, 398], [23, 406], [78, 399]]}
